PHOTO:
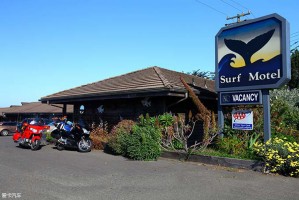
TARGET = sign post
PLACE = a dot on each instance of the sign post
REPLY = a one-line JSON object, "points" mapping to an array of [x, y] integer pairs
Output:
{"points": [[267, 116], [220, 116], [252, 57]]}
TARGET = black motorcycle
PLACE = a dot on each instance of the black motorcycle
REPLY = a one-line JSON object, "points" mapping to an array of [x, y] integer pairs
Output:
{"points": [[74, 136]]}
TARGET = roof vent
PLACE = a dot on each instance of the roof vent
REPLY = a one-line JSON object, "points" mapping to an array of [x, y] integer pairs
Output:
{"points": [[193, 82], [206, 84]]}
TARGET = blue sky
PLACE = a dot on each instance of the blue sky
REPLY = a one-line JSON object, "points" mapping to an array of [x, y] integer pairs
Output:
{"points": [[47, 46]]}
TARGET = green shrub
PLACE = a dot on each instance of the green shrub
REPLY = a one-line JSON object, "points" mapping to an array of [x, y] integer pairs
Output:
{"points": [[118, 136], [291, 97], [280, 156], [144, 143], [239, 144], [165, 120], [118, 143], [231, 145], [137, 142], [177, 144], [148, 121], [285, 113]]}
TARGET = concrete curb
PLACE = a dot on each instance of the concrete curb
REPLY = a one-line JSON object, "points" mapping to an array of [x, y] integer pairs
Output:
{"points": [[215, 160]]}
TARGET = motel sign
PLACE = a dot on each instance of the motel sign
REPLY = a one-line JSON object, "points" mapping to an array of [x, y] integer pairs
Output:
{"points": [[253, 54], [251, 57]]}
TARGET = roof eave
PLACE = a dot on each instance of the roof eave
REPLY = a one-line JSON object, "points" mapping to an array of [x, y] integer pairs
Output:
{"points": [[179, 92]]}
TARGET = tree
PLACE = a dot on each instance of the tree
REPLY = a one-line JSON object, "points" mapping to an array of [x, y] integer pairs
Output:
{"points": [[203, 74], [294, 82], [203, 113]]}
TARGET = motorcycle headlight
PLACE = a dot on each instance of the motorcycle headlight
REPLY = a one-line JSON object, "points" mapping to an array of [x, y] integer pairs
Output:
{"points": [[33, 130]]}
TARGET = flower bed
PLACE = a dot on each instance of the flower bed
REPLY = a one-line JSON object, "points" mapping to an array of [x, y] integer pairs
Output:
{"points": [[280, 156]]}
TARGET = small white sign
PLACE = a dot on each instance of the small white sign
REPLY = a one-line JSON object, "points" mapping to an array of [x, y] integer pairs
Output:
{"points": [[242, 119]]}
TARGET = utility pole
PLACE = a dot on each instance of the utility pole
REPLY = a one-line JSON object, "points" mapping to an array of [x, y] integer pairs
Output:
{"points": [[220, 111], [238, 16]]}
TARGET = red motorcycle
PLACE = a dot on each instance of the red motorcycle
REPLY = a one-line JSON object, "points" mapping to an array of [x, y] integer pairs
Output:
{"points": [[29, 133]]}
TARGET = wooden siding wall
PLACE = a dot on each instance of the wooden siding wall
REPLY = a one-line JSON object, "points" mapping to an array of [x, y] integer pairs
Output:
{"points": [[116, 110]]}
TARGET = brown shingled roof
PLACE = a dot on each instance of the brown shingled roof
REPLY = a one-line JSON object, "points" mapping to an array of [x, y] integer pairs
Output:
{"points": [[3, 110], [153, 79], [35, 107]]}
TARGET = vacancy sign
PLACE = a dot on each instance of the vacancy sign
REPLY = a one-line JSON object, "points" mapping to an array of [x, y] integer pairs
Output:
{"points": [[242, 119], [241, 97]]}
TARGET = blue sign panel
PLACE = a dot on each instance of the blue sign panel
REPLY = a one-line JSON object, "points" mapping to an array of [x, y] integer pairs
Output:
{"points": [[243, 126], [242, 119], [241, 97], [253, 54]]}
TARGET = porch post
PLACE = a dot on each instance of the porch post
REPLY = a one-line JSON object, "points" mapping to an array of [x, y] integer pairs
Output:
{"points": [[64, 109]]}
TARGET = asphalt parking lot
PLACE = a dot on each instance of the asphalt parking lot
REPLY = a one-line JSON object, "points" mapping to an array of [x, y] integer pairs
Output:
{"points": [[51, 174]]}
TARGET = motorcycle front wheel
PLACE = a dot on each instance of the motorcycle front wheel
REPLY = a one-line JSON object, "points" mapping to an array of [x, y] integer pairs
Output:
{"points": [[84, 145], [35, 145]]}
